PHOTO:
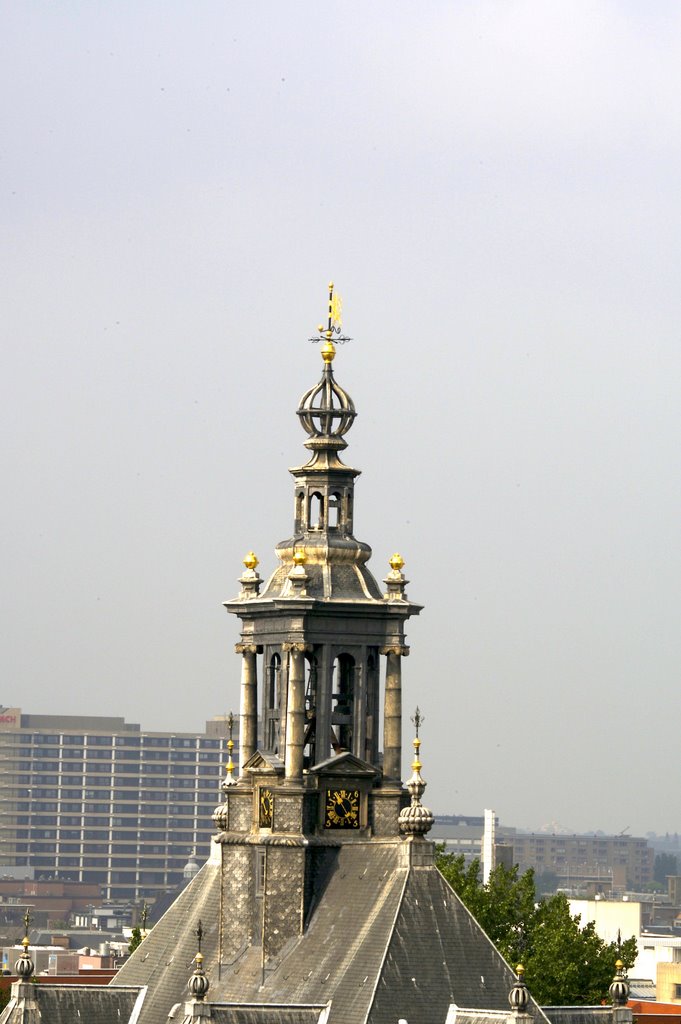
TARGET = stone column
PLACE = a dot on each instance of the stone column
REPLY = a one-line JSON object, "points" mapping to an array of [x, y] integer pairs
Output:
{"points": [[295, 713], [248, 734], [392, 713]]}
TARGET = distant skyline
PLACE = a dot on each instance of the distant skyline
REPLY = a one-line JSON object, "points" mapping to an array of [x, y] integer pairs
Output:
{"points": [[494, 188]]}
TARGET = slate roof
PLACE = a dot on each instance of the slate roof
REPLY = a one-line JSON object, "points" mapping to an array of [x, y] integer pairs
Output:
{"points": [[258, 1014], [441, 952], [387, 940], [458, 1015], [555, 1014], [579, 1014], [89, 1004], [642, 988], [344, 582], [165, 959]]}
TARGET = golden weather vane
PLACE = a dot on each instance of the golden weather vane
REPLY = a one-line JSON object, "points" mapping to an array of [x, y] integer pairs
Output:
{"points": [[332, 331], [335, 309]]}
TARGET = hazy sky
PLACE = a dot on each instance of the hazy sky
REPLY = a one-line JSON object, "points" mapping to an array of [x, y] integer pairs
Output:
{"points": [[496, 190]]}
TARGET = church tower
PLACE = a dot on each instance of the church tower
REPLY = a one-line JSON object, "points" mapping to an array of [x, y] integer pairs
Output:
{"points": [[319, 637], [321, 651], [321, 899]]}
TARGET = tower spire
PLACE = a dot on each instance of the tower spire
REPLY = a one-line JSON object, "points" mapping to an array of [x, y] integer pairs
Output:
{"points": [[326, 411], [416, 820], [316, 630]]}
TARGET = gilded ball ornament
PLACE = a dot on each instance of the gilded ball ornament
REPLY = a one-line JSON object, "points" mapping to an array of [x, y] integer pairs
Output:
{"points": [[251, 560]]}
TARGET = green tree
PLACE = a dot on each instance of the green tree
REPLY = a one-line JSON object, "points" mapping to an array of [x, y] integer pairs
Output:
{"points": [[564, 963], [135, 939], [570, 965]]}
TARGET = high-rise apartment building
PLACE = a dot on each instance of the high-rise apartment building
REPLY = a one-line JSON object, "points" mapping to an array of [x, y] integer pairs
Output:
{"points": [[98, 800], [603, 862]]}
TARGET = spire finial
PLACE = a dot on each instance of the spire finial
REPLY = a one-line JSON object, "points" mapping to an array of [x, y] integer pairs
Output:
{"points": [[297, 577], [24, 965], [416, 820], [326, 411], [198, 983], [519, 997], [396, 580], [221, 812], [417, 721], [229, 778], [619, 987], [250, 580]]}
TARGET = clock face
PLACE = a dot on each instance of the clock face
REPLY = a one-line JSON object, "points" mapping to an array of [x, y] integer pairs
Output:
{"points": [[342, 808], [266, 806]]}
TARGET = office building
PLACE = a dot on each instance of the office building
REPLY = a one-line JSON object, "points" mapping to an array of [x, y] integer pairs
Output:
{"points": [[98, 800]]}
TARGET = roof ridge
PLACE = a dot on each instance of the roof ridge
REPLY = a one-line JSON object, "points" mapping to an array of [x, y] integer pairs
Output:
{"points": [[379, 972]]}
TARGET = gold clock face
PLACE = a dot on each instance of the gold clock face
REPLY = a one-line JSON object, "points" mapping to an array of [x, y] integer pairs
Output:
{"points": [[265, 809], [342, 808]]}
